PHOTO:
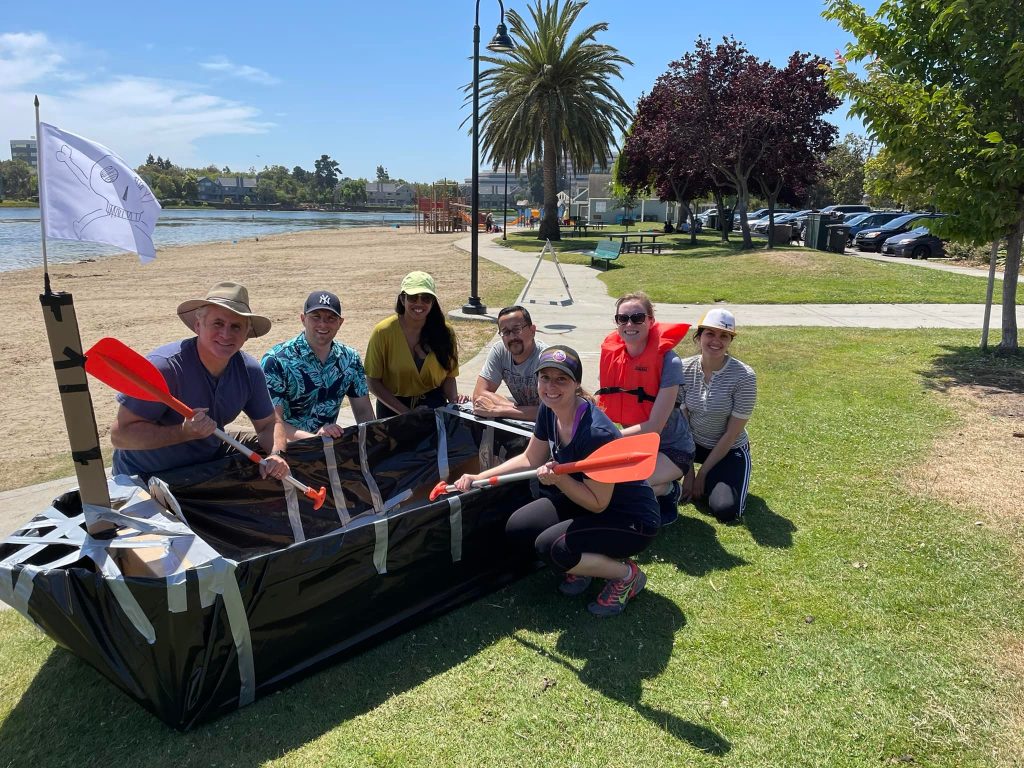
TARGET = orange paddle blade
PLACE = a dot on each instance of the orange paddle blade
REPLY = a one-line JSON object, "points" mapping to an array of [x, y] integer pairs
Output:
{"points": [[122, 368], [622, 460]]}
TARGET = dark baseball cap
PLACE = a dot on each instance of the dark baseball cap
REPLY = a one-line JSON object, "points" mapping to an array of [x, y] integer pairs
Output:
{"points": [[562, 358], [322, 300]]}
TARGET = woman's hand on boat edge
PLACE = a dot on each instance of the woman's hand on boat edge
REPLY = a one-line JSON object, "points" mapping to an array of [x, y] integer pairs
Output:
{"points": [[465, 482]]}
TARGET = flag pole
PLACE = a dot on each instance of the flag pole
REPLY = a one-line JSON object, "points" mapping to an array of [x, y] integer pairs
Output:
{"points": [[42, 202], [65, 342]]}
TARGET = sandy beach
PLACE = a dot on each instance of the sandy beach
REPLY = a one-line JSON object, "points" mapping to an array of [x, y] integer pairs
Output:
{"points": [[117, 296]]}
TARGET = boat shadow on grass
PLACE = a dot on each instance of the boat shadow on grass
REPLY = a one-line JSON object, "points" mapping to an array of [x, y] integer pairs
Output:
{"points": [[87, 721]]}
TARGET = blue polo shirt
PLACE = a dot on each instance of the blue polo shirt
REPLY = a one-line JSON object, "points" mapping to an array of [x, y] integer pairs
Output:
{"points": [[241, 388], [310, 392]]}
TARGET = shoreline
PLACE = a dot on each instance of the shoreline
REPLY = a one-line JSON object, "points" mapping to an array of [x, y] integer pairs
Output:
{"points": [[120, 297]]}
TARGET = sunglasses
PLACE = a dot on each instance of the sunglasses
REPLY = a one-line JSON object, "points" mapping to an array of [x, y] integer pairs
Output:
{"points": [[419, 298], [637, 318]]}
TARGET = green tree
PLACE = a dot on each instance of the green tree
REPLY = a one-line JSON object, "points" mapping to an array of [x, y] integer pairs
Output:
{"points": [[551, 98], [352, 192], [843, 180], [892, 184], [382, 173], [17, 179], [943, 90], [325, 176]]}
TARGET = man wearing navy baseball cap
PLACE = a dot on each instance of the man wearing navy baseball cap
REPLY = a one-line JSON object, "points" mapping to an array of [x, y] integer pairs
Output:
{"points": [[308, 376]]}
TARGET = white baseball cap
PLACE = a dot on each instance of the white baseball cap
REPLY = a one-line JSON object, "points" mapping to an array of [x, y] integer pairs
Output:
{"points": [[722, 319]]}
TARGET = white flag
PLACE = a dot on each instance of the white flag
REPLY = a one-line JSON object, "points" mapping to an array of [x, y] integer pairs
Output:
{"points": [[88, 193]]}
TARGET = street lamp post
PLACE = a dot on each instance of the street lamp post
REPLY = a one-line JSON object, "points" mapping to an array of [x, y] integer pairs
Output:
{"points": [[504, 209], [501, 43]]}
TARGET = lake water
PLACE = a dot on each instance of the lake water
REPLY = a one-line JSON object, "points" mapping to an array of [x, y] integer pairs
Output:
{"points": [[20, 235]]}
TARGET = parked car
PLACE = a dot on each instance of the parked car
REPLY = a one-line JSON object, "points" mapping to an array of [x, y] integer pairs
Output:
{"points": [[871, 239], [862, 221], [918, 243], [761, 225], [832, 210]]}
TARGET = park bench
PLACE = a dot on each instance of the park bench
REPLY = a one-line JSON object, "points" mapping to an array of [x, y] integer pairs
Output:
{"points": [[606, 251]]}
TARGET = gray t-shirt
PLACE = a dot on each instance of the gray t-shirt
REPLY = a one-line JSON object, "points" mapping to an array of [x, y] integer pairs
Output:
{"points": [[676, 432], [520, 378], [732, 391]]}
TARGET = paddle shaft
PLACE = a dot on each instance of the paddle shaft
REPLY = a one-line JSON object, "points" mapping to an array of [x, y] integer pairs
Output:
{"points": [[174, 403], [583, 465]]}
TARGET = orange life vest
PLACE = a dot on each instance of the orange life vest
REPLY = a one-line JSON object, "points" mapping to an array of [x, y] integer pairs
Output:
{"points": [[629, 385]]}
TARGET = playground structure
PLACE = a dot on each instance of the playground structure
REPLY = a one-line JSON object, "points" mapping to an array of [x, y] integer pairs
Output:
{"points": [[445, 210]]}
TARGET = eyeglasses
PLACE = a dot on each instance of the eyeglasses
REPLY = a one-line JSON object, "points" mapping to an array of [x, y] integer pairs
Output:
{"points": [[637, 318], [514, 330]]}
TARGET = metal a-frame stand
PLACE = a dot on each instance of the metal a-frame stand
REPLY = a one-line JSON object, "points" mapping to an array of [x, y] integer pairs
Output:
{"points": [[553, 302]]}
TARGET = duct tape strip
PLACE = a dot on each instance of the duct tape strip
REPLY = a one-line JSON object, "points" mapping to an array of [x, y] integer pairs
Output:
{"points": [[380, 546], [239, 623], [392, 503], [455, 523], [523, 428], [487, 448], [96, 550], [291, 498], [336, 490], [442, 446], [364, 466]]}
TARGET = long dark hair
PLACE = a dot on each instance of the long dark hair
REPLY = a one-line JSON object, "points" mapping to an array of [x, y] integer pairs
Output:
{"points": [[436, 336]]}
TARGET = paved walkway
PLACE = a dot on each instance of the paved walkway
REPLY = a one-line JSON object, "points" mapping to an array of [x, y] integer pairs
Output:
{"points": [[587, 320]]}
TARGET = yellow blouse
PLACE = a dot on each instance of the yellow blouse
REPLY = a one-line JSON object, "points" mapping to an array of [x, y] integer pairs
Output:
{"points": [[389, 359]]}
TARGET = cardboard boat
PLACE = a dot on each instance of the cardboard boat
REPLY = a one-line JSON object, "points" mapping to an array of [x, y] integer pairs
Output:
{"points": [[218, 587]]}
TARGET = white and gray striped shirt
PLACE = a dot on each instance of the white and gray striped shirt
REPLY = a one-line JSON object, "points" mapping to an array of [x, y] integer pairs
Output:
{"points": [[732, 391]]}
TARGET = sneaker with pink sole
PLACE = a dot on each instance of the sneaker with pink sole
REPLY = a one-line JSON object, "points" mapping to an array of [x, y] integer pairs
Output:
{"points": [[613, 598]]}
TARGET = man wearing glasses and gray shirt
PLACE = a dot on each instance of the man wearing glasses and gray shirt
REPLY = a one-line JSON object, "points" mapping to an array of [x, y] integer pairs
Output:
{"points": [[514, 361]]}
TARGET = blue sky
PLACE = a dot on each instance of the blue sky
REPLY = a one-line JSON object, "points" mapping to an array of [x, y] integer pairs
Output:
{"points": [[366, 82]]}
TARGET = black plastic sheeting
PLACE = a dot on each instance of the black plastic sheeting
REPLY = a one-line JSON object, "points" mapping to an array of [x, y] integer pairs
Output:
{"points": [[308, 603]]}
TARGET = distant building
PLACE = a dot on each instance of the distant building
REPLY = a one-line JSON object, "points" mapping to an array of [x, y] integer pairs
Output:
{"points": [[389, 193], [492, 188], [26, 151], [235, 188]]}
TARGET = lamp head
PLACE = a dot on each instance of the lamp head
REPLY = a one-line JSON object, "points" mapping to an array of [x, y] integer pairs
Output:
{"points": [[501, 43]]}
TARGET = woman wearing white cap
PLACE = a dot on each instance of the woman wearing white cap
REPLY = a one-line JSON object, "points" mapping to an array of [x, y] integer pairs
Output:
{"points": [[719, 393]]}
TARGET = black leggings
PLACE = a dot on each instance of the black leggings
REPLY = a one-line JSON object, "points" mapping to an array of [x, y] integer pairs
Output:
{"points": [[561, 532]]}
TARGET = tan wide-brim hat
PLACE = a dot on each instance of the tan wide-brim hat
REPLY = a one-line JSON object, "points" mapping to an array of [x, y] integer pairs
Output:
{"points": [[232, 297]]}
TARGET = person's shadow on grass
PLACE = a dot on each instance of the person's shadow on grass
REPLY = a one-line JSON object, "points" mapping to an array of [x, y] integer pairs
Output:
{"points": [[614, 656], [767, 527]]}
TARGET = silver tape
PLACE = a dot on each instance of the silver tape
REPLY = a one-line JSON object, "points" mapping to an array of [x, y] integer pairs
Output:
{"points": [[238, 621], [96, 551], [455, 524], [380, 545], [291, 498], [368, 478], [391, 505], [442, 446], [336, 490], [487, 448]]}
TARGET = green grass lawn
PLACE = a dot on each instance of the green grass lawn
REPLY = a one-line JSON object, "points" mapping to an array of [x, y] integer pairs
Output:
{"points": [[711, 271], [846, 623]]}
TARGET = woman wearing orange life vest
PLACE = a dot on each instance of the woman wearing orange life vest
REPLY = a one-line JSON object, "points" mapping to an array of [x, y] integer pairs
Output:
{"points": [[640, 388]]}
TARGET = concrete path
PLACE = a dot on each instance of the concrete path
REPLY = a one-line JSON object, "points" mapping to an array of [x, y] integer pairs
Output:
{"points": [[585, 322]]}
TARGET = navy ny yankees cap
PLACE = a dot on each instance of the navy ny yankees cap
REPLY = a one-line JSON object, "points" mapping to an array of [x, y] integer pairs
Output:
{"points": [[322, 300]]}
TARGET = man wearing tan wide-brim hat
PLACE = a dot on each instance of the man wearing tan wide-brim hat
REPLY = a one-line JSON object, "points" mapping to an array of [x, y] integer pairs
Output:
{"points": [[211, 374]]}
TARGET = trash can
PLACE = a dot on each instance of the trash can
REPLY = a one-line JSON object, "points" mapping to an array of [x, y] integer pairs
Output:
{"points": [[816, 232], [715, 220], [782, 234], [838, 236]]}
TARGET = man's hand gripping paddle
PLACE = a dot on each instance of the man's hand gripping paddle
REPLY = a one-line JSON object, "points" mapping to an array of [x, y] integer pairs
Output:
{"points": [[122, 368], [628, 458]]}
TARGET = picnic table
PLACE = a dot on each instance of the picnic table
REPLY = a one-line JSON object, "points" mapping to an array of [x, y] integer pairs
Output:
{"points": [[582, 227], [639, 245]]}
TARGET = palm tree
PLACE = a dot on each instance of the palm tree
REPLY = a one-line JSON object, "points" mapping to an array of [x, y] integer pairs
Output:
{"points": [[551, 98]]}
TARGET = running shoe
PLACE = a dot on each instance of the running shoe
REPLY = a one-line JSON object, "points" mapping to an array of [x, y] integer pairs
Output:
{"points": [[669, 504], [574, 585], [613, 598]]}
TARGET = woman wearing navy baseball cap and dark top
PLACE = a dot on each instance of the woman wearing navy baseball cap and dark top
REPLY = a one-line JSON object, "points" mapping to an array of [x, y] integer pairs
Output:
{"points": [[584, 528]]}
